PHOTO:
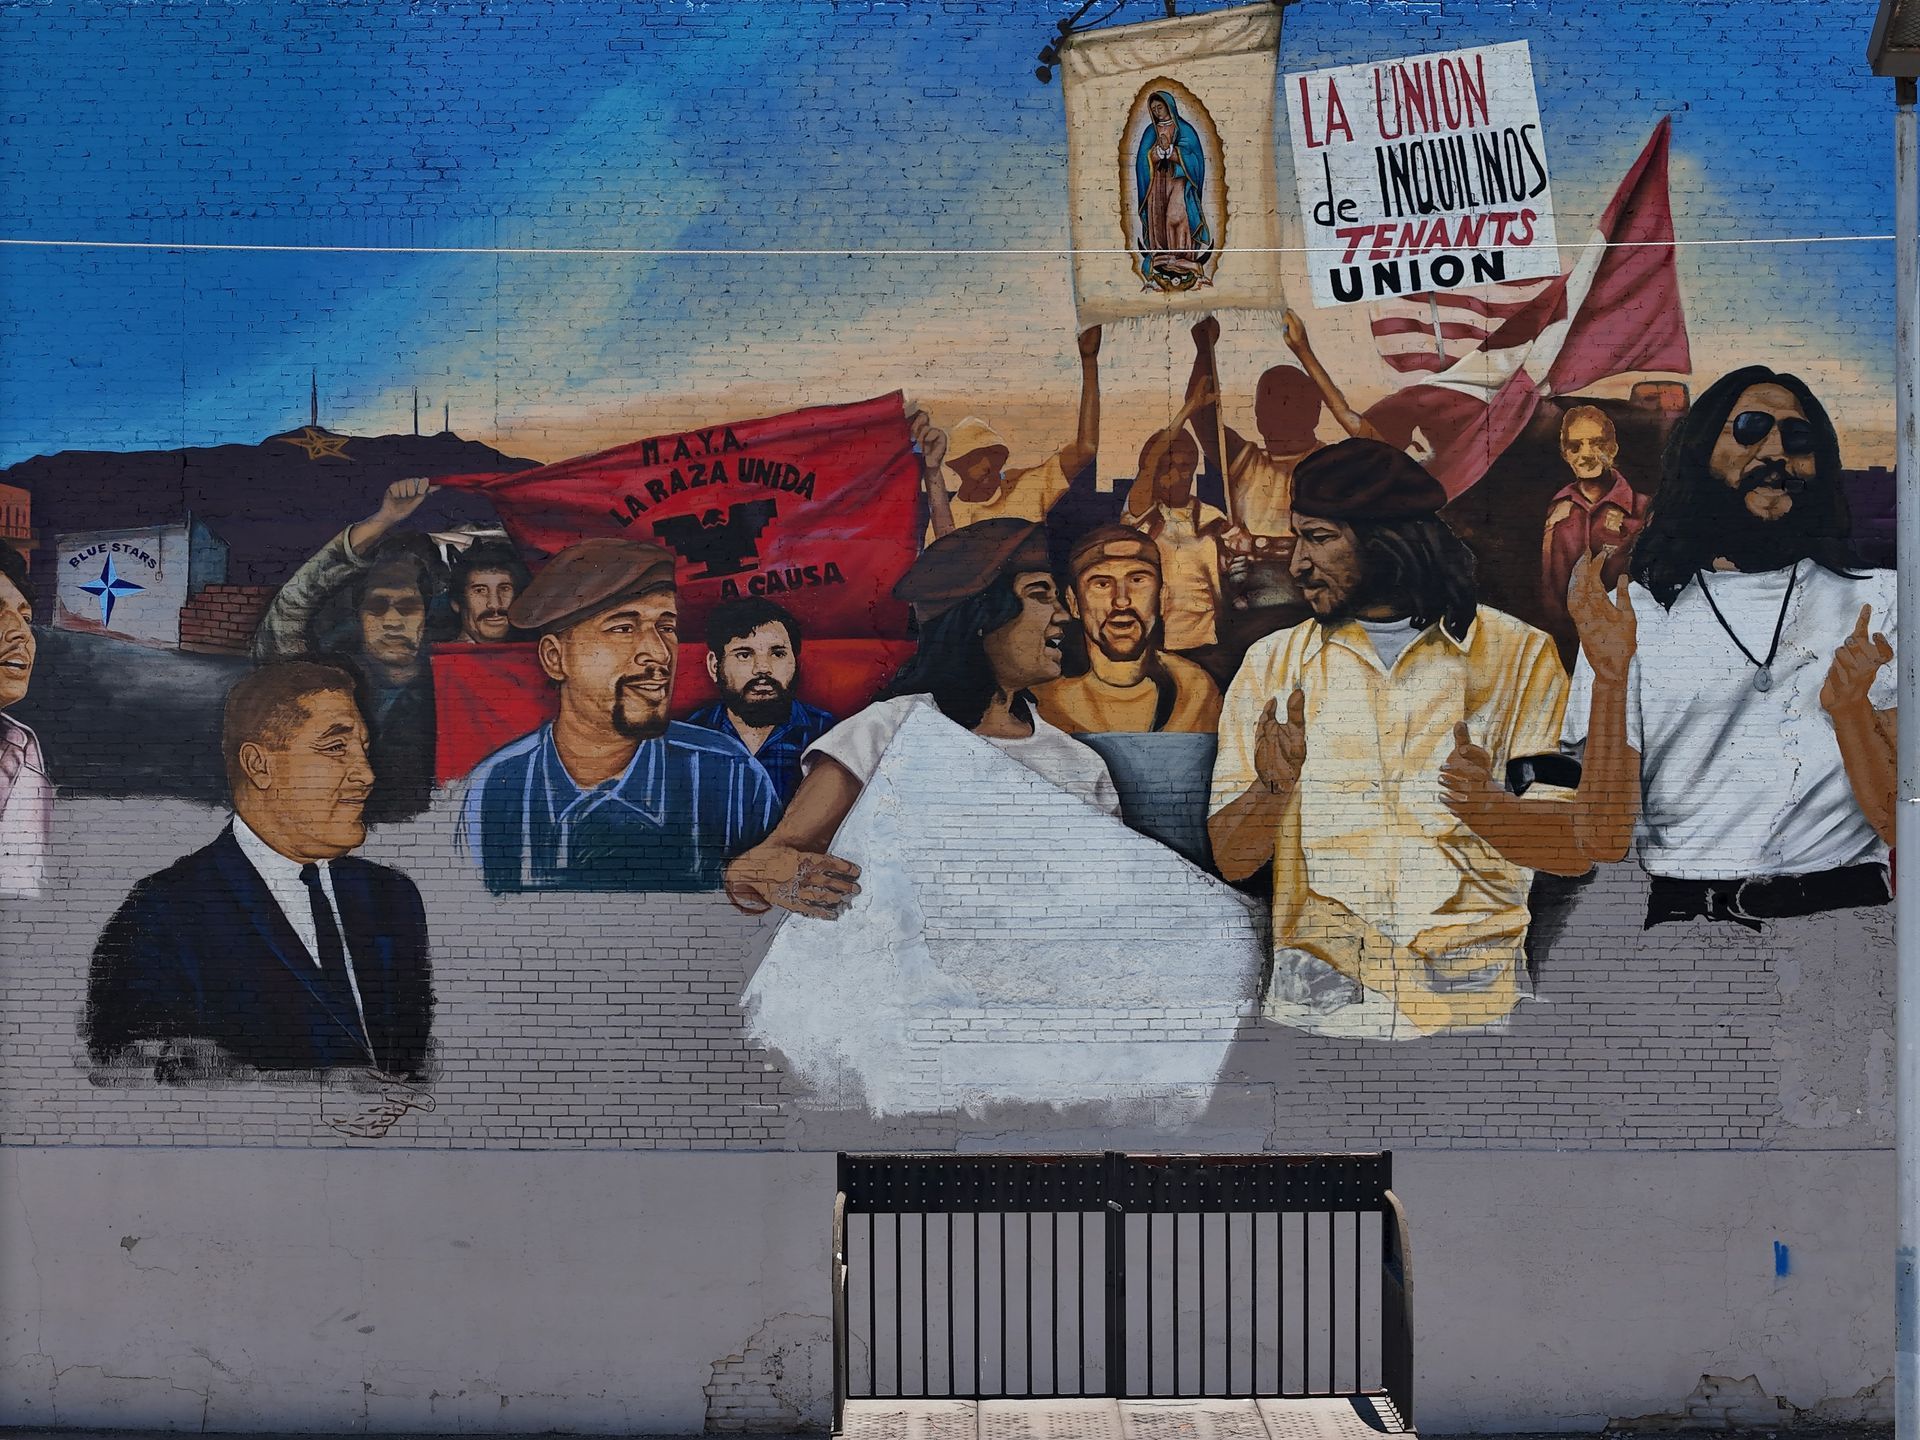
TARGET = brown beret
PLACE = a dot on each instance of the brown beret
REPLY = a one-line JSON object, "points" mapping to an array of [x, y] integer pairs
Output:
{"points": [[589, 577], [1364, 480], [967, 561], [1111, 542]]}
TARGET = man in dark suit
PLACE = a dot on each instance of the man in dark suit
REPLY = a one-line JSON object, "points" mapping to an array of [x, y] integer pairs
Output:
{"points": [[273, 947]]}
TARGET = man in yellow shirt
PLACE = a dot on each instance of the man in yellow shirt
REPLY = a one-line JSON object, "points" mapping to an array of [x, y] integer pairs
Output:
{"points": [[1131, 686], [978, 458], [1358, 753]]}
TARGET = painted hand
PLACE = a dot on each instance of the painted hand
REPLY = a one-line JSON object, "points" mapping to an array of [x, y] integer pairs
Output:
{"points": [[403, 497], [1206, 334], [1294, 331], [798, 880], [1280, 747], [1855, 663], [931, 439], [1467, 786], [1090, 342], [1609, 634]]}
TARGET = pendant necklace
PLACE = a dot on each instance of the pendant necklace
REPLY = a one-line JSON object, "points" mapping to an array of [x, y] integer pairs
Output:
{"points": [[1763, 669]]}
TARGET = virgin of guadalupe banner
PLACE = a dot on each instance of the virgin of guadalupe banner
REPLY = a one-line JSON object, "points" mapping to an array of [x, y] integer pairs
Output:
{"points": [[1170, 165]]}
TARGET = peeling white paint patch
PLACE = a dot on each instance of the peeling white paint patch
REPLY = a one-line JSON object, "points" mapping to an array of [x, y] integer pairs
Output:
{"points": [[1010, 944]]}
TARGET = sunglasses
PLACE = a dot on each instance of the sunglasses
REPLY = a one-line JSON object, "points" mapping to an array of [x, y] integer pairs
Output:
{"points": [[1750, 427]]}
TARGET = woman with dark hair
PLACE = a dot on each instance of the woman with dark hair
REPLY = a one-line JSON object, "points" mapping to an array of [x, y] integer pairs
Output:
{"points": [[990, 626]]}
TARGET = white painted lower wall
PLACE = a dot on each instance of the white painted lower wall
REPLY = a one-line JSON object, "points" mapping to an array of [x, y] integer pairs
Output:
{"points": [[346, 1290]]}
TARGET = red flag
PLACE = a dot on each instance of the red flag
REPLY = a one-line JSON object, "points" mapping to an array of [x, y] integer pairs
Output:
{"points": [[1630, 317], [1617, 310], [817, 510]]}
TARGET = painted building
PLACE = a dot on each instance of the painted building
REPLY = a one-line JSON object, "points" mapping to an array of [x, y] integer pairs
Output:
{"points": [[133, 584], [16, 518], [1050, 615]]}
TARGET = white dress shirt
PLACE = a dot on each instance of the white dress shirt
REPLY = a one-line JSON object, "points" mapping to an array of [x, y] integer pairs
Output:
{"points": [[282, 877], [26, 811]]}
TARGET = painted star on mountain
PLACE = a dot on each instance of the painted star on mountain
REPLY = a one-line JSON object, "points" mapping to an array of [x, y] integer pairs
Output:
{"points": [[316, 442]]}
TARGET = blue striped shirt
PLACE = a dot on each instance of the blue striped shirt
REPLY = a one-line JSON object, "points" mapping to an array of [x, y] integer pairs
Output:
{"points": [[684, 806], [779, 754]]}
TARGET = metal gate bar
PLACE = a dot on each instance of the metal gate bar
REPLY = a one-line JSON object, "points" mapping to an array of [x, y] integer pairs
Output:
{"points": [[1328, 1324]]}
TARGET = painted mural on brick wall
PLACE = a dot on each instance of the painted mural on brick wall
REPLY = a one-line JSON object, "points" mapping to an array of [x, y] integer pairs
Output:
{"points": [[1353, 676]]}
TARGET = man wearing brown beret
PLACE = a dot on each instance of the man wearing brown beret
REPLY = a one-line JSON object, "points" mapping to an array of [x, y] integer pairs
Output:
{"points": [[611, 795], [1131, 685], [1358, 753]]}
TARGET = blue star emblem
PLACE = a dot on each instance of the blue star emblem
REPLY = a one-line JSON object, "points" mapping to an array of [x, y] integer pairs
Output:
{"points": [[110, 587]]}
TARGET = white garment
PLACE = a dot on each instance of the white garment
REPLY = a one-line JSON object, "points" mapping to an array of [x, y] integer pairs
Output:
{"points": [[858, 742], [1390, 638], [26, 813], [1737, 782]]}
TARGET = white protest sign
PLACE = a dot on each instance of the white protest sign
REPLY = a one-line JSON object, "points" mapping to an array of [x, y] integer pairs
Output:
{"points": [[1425, 173]]}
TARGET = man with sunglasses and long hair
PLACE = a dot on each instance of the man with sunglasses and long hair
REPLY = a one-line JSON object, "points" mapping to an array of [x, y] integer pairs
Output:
{"points": [[1746, 674]]}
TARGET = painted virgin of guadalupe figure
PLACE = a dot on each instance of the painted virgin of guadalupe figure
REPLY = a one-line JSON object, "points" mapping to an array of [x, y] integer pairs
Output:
{"points": [[1170, 170]]}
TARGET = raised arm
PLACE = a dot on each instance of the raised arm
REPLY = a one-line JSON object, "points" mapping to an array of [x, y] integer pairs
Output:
{"points": [[932, 441], [1206, 424], [1351, 420], [1086, 442], [283, 629], [1866, 735], [1140, 496]]}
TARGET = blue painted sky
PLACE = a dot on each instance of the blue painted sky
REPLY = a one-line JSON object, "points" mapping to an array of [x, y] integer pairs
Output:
{"points": [[777, 125]]}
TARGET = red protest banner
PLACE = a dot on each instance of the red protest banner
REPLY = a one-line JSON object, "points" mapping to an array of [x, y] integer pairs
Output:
{"points": [[817, 510]]}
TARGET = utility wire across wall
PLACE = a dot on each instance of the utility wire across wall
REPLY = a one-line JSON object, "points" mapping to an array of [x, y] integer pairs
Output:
{"points": [[723, 252]]}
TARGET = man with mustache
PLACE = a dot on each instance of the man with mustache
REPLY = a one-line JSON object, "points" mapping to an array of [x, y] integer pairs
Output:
{"points": [[1399, 892], [26, 795], [389, 586], [753, 656], [273, 946], [1596, 511], [481, 587], [1745, 677], [611, 795], [1130, 685]]}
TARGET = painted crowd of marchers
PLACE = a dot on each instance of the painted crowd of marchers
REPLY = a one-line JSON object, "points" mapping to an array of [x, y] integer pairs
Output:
{"points": [[1700, 675]]}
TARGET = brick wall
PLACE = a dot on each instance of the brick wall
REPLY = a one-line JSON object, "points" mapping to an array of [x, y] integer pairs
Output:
{"points": [[628, 221], [221, 619]]}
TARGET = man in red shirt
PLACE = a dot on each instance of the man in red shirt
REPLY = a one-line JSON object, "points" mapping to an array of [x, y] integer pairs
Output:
{"points": [[1597, 510]]}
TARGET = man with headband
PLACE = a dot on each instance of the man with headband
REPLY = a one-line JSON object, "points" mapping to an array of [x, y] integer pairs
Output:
{"points": [[1113, 590]]}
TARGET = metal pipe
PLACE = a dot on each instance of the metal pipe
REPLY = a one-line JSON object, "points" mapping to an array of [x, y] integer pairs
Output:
{"points": [[1907, 914]]}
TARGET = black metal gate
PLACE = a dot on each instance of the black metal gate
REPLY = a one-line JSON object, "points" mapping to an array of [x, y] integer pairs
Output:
{"points": [[1001, 1276]]}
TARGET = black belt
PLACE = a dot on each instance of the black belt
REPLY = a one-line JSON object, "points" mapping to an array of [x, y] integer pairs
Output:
{"points": [[1771, 897]]}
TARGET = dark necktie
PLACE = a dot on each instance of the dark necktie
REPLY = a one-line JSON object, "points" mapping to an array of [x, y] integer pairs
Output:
{"points": [[332, 953]]}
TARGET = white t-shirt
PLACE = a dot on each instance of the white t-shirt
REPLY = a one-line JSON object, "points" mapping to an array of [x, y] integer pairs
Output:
{"points": [[858, 742], [1390, 638], [1737, 782]]}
